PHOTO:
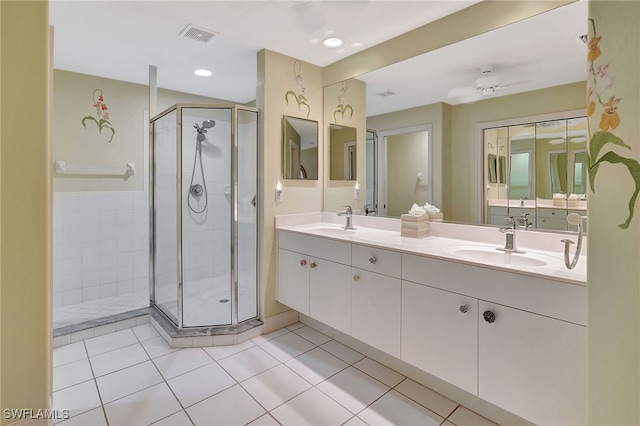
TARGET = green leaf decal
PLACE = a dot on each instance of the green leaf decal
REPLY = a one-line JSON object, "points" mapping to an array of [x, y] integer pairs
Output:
{"points": [[88, 117], [634, 169], [600, 139]]}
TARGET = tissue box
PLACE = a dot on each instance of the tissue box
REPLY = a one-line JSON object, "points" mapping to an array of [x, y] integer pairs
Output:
{"points": [[436, 216], [414, 226]]}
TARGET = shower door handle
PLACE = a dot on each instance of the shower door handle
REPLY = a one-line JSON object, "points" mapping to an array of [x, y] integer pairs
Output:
{"points": [[254, 200]]}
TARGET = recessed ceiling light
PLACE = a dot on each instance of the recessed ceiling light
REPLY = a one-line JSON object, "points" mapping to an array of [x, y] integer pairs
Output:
{"points": [[332, 42], [203, 73]]}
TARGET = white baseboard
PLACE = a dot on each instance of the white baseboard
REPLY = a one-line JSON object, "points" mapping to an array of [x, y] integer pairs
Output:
{"points": [[279, 321]]}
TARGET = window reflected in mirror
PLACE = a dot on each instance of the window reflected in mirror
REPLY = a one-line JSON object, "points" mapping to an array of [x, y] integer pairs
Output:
{"points": [[299, 148], [343, 152]]}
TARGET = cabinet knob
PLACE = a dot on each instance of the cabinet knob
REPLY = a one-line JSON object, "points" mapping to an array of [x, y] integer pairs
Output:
{"points": [[373, 260], [313, 264], [464, 309], [303, 262], [489, 316], [356, 277]]}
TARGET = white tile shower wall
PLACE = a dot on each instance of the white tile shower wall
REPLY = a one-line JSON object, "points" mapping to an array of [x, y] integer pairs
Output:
{"points": [[100, 245]]}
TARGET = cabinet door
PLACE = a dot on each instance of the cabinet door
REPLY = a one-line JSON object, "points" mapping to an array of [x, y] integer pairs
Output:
{"points": [[375, 310], [533, 366], [293, 280], [440, 334], [330, 294]]}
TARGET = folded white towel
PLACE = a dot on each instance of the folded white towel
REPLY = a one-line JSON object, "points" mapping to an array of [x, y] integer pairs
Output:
{"points": [[431, 209], [416, 210]]}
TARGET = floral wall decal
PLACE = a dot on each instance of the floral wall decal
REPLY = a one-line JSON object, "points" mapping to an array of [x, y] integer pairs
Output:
{"points": [[341, 108], [101, 116], [299, 93], [599, 82]]}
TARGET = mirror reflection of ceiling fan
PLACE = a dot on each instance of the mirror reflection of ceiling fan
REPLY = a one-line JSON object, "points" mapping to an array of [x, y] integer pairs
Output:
{"points": [[487, 85]]}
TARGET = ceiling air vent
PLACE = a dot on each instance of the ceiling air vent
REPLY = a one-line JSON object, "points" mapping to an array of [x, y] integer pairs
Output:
{"points": [[386, 93], [197, 33]]}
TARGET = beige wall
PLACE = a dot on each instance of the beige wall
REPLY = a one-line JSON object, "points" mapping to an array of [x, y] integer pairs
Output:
{"points": [[407, 155], [339, 193], [25, 226], [299, 196], [128, 105], [613, 268]]}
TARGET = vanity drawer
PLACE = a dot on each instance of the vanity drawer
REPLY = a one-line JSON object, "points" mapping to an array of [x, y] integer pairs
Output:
{"points": [[323, 248], [552, 213], [377, 260]]}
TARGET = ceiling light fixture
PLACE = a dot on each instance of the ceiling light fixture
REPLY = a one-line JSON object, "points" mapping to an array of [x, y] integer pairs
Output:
{"points": [[203, 73], [332, 42]]}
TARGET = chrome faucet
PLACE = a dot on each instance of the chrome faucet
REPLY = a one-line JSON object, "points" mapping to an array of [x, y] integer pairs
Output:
{"points": [[510, 234], [348, 213], [368, 211]]}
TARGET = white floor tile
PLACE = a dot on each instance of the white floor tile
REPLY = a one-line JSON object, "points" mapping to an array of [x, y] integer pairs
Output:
{"points": [[69, 353], [343, 352], [287, 346], [311, 408], [295, 326], [270, 336], [200, 384], [312, 335], [220, 352], [378, 371], [179, 362], [71, 374], [157, 346], [142, 408], [127, 381], [432, 400], [465, 417], [118, 359], [248, 363], [145, 332], [396, 409], [233, 406], [316, 365], [353, 389], [273, 387], [77, 399], [109, 342], [178, 419], [94, 417], [264, 420], [355, 421]]}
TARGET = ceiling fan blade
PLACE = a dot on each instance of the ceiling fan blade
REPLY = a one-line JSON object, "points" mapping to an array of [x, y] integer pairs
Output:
{"points": [[514, 84]]}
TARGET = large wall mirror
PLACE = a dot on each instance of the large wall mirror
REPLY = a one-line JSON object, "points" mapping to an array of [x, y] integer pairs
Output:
{"points": [[545, 163], [420, 91], [343, 151], [299, 148]]}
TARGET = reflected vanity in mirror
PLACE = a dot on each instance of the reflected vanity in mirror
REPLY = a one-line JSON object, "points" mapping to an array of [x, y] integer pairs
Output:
{"points": [[547, 172], [342, 152], [299, 148]]}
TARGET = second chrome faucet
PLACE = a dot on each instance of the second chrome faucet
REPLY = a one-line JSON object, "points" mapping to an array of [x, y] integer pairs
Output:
{"points": [[510, 232]]}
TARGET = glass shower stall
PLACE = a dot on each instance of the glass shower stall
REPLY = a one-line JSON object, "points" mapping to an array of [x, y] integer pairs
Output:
{"points": [[204, 181]]}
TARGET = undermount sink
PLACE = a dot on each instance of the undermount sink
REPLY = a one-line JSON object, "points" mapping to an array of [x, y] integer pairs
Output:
{"points": [[333, 230], [497, 257]]}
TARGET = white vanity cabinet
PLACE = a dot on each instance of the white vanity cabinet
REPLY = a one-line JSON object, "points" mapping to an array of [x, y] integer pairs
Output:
{"points": [[314, 278], [376, 297], [440, 334], [531, 336], [532, 365]]}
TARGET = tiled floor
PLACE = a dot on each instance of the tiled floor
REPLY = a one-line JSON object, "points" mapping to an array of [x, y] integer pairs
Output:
{"points": [[293, 376]]}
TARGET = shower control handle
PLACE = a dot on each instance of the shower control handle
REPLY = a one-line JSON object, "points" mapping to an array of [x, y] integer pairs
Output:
{"points": [[313, 264], [303, 262]]}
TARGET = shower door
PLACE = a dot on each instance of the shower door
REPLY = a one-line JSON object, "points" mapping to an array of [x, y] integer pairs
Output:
{"points": [[205, 215]]}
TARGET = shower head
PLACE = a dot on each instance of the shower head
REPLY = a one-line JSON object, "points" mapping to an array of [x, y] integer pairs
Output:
{"points": [[575, 218], [207, 124]]}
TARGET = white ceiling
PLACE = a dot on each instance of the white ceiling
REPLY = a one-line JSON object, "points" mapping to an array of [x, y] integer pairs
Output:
{"points": [[120, 39]]}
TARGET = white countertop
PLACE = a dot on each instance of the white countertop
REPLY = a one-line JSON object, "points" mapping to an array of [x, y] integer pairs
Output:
{"points": [[451, 249]]}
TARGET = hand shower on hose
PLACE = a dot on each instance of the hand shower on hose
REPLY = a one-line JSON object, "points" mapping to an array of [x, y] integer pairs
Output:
{"points": [[573, 219], [197, 190]]}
